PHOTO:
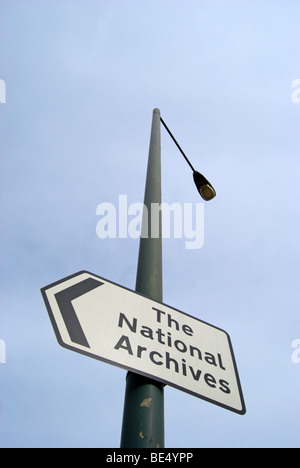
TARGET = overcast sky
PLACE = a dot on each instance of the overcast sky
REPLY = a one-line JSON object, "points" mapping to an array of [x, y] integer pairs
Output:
{"points": [[82, 79]]}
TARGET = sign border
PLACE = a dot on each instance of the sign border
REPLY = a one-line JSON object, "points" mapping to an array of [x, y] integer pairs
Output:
{"points": [[135, 371]]}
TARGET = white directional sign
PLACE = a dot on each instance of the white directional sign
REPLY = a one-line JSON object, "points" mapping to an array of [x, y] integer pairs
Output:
{"points": [[95, 317]]}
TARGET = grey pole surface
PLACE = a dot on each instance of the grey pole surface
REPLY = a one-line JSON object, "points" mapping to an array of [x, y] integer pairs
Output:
{"points": [[143, 417]]}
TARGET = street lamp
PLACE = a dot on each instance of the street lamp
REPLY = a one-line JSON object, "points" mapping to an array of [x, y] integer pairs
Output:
{"points": [[205, 189], [143, 416]]}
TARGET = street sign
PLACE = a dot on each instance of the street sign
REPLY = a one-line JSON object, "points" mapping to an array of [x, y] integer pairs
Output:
{"points": [[95, 317]]}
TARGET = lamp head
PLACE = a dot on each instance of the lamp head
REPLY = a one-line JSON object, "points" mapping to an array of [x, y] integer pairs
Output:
{"points": [[205, 189]]}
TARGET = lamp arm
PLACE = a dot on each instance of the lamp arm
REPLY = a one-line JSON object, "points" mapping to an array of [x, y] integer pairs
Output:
{"points": [[180, 149], [205, 189]]}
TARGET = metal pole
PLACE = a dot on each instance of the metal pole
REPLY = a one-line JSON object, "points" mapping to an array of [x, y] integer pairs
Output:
{"points": [[143, 418]]}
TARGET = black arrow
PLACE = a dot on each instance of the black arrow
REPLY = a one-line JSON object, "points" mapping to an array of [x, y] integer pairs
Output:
{"points": [[64, 300]]}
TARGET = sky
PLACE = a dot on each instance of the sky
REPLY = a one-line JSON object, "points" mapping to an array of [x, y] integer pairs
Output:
{"points": [[82, 78]]}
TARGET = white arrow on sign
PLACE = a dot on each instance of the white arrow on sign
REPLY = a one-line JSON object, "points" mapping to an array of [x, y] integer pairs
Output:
{"points": [[95, 317]]}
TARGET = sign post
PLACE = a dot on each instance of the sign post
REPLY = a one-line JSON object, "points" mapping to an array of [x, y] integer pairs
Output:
{"points": [[157, 344], [143, 424]]}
